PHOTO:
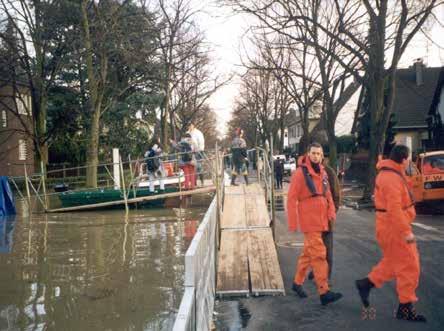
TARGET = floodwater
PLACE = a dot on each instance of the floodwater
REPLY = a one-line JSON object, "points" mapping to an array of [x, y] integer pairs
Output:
{"points": [[95, 270]]}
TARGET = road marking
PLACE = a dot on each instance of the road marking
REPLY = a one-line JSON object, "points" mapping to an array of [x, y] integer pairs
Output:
{"points": [[290, 244], [425, 227]]}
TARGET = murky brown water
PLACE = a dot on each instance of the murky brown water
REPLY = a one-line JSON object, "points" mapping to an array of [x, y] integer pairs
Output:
{"points": [[94, 270]]}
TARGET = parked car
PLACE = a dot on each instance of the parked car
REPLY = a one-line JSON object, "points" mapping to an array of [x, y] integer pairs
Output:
{"points": [[289, 166], [280, 156]]}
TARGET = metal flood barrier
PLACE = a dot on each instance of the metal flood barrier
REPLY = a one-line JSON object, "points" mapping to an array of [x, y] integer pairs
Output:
{"points": [[196, 307]]}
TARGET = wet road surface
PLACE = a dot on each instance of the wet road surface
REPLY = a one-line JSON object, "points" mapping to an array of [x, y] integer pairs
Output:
{"points": [[355, 253]]}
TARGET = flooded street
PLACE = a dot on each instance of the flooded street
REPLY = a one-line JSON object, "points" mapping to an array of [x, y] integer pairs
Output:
{"points": [[95, 270]]}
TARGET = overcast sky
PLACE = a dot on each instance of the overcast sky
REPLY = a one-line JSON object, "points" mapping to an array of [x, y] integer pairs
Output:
{"points": [[225, 32]]}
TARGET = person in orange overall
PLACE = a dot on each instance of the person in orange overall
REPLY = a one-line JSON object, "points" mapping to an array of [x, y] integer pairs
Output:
{"points": [[310, 209], [395, 211]]}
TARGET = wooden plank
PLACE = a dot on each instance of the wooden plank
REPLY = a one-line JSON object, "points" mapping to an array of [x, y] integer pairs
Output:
{"points": [[254, 188], [233, 216], [265, 273], [235, 190], [134, 200], [256, 212], [232, 273]]}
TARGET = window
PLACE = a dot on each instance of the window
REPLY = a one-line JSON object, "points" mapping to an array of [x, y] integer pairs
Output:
{"points": [[298, 130], [411, 170], [433, 164], [22, 149], [23, 104], [4, 119]]}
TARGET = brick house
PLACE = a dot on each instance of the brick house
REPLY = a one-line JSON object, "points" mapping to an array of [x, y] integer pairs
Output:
{"points": [[16, 144]]}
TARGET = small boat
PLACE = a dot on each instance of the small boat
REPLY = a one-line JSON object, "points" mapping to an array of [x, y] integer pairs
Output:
{"points": [[140, 188], [100, 195]]}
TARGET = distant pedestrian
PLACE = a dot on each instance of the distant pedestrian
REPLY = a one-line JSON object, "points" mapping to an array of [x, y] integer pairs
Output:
{"points": [[278, 172], [199, 143], [239, 157], [187, 160], [154, 167], [395, 212], [311, 210]]}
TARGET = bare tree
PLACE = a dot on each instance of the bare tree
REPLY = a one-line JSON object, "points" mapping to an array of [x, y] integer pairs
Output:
{"points": [[178, 40], [265, 99], [193, 85], [374, 32], [294, 67]]}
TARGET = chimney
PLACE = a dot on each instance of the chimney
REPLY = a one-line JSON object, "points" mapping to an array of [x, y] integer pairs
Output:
{"points": [[419, 70]]}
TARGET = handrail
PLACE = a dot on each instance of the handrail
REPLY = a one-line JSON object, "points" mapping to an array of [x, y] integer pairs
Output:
{"points": [[36, 183]]}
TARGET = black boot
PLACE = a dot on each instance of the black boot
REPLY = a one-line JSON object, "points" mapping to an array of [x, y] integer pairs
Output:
{"points": [[233, 180], [299, 290], [246, 179], [407, 312], [330, 297], [364, 286]]}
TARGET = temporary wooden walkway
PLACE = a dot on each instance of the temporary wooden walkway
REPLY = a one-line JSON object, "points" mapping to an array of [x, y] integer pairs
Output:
{"points": [[248, 262]]}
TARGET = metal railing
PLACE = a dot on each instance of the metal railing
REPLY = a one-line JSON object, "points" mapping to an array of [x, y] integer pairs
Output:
{"points": [[39, 186], [265, 175]]}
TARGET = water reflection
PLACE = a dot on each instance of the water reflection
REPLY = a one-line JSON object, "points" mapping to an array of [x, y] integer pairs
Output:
{"points": [[94, 270], [7, 224]]}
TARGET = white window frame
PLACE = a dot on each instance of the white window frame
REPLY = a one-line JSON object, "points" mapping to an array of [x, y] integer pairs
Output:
{"points": [[4, 119], [22, 150], [23, 102]]}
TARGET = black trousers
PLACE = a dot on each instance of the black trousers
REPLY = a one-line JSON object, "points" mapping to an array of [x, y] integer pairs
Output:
{"points": [[278, 181]]}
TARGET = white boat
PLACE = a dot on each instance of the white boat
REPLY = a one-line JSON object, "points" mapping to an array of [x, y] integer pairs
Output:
{"points": [[174, 180], [170, 178]]}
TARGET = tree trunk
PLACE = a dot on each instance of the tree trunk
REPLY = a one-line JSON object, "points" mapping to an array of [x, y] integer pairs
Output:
{"points": [[332, 145], [41, 147], [166, 112], [377, 137], [375, 85], [172, 125], [282, 130], [92, 157], [41, 103]]}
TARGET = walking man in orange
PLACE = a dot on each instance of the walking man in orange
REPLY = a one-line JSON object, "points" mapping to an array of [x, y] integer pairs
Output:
{"points": [[395, 212], [310, 209]]}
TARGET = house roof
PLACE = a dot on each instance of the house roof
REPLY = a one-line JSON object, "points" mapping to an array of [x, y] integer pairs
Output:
{"points": [[413, 102]]}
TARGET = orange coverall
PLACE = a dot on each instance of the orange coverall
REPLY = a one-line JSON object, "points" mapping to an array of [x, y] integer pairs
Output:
{"points": [[310, 215], [394, 214]]}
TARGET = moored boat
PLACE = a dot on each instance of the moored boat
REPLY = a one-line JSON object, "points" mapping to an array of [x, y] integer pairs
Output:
{"points": [[100, 195]]}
